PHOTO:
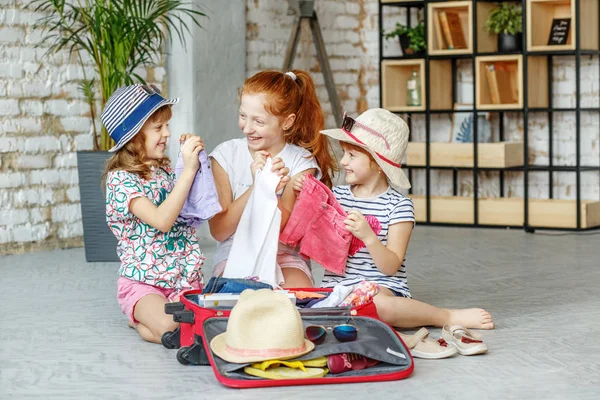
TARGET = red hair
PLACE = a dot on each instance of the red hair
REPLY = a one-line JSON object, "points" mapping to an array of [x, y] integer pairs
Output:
{"points": [[132, 157], [353, 147], [288, 96]]}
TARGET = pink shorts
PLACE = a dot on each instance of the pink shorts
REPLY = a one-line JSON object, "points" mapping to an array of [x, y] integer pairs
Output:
{"points": [[285, 260], [129, 292]]}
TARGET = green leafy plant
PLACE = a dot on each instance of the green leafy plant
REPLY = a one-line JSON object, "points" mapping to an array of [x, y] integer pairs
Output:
{"points": [[507, 19], [416, 35], [119, 36]]}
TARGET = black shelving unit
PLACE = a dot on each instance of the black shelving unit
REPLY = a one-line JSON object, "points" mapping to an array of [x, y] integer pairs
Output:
{"points": [[525, 110]]}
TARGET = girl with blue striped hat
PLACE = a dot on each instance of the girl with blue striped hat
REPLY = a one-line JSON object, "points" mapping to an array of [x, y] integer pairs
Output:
{"points": [[160, 256]]}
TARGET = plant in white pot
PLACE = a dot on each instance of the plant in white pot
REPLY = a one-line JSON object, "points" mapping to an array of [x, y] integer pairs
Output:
{"points": [[120, 37]]}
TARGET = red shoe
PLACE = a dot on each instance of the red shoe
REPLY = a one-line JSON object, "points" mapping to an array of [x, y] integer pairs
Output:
{"points": [[338, 363]]}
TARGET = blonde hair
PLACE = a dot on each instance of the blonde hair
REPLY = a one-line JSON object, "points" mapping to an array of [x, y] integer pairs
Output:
{"points": [[132, 157]]}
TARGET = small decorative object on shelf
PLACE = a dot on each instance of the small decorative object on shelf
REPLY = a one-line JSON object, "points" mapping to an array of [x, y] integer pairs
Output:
{"points": [[462, 125], [412, 40], [507, 22], [559, 31], [413, 89]]}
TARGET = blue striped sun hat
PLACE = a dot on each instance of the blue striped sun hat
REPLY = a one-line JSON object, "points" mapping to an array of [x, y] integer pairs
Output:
{"points": [[128, 108]]}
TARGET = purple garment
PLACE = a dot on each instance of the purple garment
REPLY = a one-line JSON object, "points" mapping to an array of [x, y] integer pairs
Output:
{"points": [[202, 202]]}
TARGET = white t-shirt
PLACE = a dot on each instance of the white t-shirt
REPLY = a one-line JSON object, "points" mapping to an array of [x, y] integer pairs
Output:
{"points": [[235, 158]]}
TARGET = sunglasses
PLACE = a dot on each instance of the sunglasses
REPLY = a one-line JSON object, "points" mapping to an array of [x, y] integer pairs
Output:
{"points": [[150, 89], [343, 333], [348, 123]]}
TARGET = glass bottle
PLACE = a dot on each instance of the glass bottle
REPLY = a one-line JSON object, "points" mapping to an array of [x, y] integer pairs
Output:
{"points": [[413, 89]]}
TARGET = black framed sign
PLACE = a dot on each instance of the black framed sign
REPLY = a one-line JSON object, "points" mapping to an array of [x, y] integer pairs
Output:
{"points": [[559, 31]]}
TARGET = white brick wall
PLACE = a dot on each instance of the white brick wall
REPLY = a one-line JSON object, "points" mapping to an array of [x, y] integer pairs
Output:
{"points": [[44, 120]]}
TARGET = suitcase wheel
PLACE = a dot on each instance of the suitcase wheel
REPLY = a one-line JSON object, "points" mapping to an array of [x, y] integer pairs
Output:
{"points": [[170, 339], [183, 355]]}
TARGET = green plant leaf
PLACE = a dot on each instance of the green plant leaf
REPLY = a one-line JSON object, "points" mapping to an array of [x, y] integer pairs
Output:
{"points": [[120, 36], [507, 18]]}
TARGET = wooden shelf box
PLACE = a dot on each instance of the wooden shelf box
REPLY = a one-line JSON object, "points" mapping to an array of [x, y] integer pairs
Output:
{"points": [[489, 155], [508, 211], [540, 14], [499, 82], [537, 82], [440, 83], [456, 25], [486, 42], [394, 74], [401, 1]]}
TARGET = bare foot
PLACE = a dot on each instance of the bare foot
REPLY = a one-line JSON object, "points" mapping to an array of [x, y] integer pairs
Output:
{"points": [[474, 318]]}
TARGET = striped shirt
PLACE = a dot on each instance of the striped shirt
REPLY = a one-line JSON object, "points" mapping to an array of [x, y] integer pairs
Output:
{"points": [[389, 208]]}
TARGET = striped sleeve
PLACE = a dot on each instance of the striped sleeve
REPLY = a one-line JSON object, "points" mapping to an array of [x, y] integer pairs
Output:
{"points": [[402, 211]]}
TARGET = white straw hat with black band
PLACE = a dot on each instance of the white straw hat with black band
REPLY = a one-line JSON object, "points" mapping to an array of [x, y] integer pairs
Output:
{"points": [[384, 135], [128, 108]]}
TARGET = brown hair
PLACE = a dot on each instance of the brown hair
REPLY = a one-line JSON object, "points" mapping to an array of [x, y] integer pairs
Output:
{"points": [[132, 157], [288, 96]]}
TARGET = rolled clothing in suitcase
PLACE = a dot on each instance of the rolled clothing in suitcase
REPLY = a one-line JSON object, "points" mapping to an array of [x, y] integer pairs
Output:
{"points": [[188, 337]]}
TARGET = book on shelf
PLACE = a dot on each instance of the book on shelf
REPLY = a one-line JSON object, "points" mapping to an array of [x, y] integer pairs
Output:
{"points": [[446, 29], [490, 72], [438, 33], [507, 85], [452, 28]]}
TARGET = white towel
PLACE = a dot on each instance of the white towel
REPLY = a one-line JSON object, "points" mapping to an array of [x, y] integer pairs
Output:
{"points": [[256, 240], [340, 292]]}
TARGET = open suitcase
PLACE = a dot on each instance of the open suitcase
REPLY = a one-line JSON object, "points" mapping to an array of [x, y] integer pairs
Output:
{"points": [[188, 337], [376, 340]]}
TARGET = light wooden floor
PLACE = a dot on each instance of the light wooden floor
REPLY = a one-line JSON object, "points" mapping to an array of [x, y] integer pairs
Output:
{"points": [[63, 336]]}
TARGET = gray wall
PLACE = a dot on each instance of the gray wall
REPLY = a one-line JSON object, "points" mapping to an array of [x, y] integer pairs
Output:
{"points": [[206, 75]]}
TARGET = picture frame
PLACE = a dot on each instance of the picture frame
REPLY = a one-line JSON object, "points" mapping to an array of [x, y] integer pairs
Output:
{"points": [[559, 32], [462, 125]]}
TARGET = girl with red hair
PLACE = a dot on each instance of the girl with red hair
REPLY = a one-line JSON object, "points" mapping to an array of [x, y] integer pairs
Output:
{"points": [[280, 117]]}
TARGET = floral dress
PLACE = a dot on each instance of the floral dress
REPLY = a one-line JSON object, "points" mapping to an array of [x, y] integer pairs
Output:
{"points": [[168, 260]]}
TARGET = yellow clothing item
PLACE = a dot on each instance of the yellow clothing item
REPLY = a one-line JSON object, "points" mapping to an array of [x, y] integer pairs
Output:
{"points": [[287, 373], [315, 362]]}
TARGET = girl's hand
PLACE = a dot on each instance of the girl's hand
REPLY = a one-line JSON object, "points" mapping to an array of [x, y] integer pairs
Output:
{"points": [[260, 159], [189, 151], [298, 182], [357, 224], [280, 169], [184, 137]]}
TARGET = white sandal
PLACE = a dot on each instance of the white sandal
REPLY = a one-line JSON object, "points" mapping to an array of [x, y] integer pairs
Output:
{"points": [[421, 346], [467, 342]]}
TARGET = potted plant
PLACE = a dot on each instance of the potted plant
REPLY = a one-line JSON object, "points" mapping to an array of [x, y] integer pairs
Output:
{"points": [[412, 40], [507, 22], [119, 36]]}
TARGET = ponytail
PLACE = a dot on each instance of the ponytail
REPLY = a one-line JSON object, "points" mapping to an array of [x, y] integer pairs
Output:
{"points": [[297, 95]]}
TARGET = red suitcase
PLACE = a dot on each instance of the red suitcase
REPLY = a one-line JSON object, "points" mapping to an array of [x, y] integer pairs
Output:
{"points": [[376, 340], [188, 337]]}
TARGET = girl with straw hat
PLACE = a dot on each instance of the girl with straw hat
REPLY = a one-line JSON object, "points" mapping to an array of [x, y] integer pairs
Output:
{"points": [[374, 145]]}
